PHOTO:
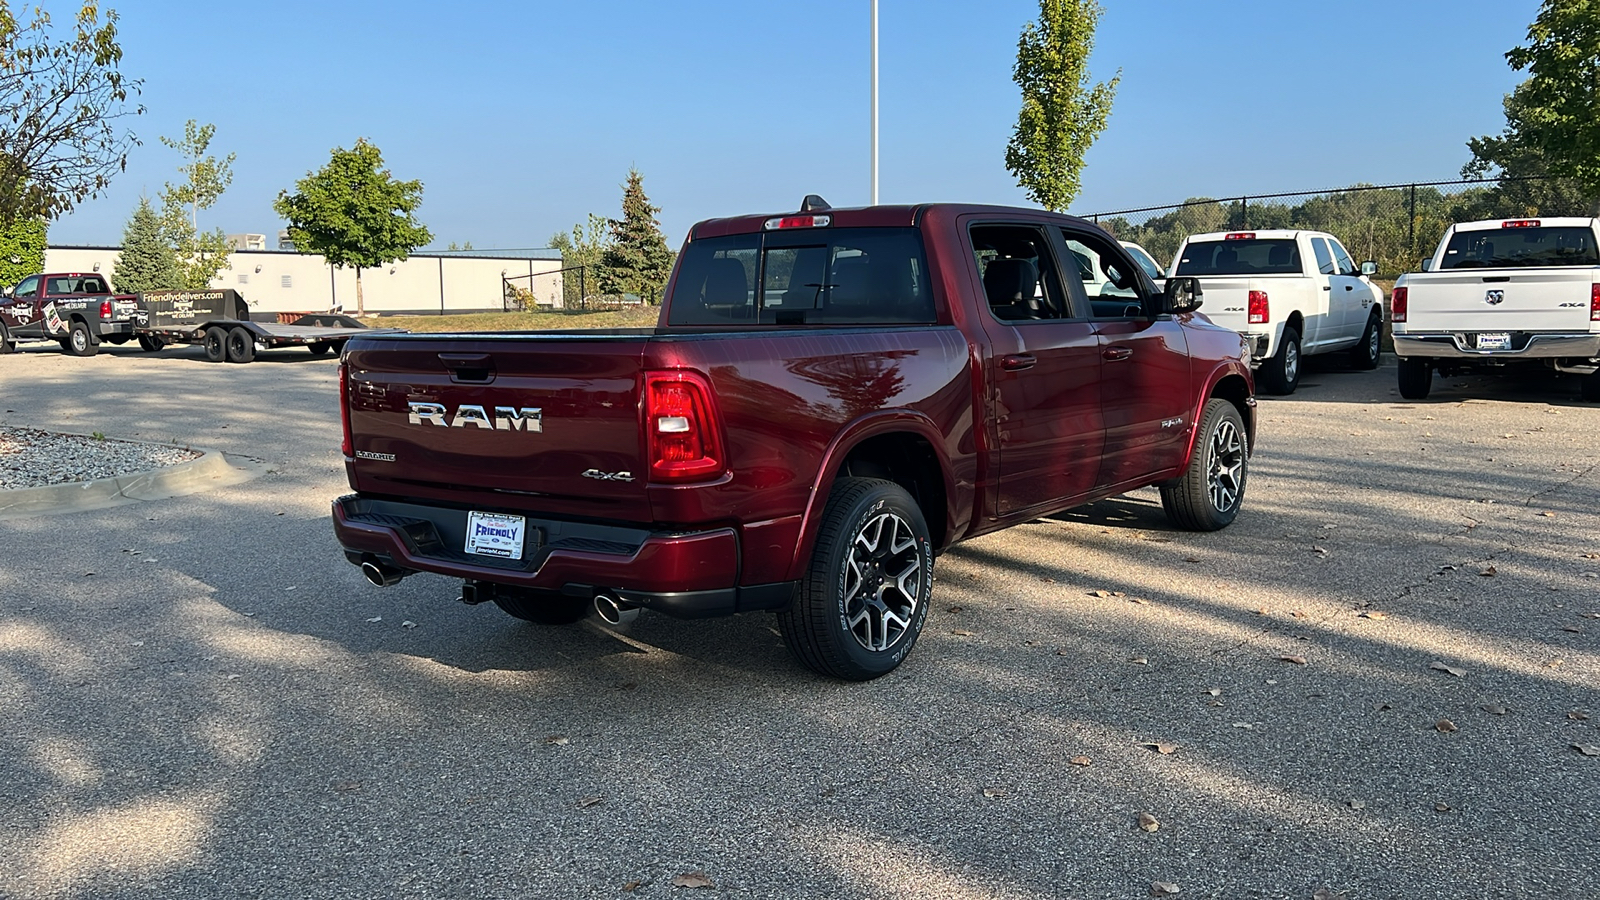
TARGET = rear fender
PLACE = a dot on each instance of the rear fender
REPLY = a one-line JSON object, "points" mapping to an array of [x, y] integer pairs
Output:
{"points": [[852, 436]]}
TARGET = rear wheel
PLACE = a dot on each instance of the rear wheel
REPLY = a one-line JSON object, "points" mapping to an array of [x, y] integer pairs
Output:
{"points": [[7, 345], [1281, 373], [1208, 495], [241, 345], [865, 596], [1365, 354], [318, 348], [216, 344], [543, 607], [1416, 378], [1590, 385], [80, 340], [150, 343]]}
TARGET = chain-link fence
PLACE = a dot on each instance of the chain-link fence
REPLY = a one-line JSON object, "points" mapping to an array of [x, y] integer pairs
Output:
{"points": [[1394, 225]]}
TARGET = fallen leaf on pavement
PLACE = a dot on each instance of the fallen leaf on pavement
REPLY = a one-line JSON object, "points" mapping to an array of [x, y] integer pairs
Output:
{"points": [[1579, 715], [1326, 893], [1356, 804], [632, 886], [557, 739], [1139, 600], [994, 793], [587, 802], [376, 619], [1163, 889], [961, 632], [1297, 660], [1139, 661], [1100, 593], [1148, 823], [1441, 807], [1163, 749], [345, 787], [1587, 749], [1080, 761], [1191, 559], [692, 880], [1441, 667], [1445, 726], [1374, 614], [954, 609], [1494, 709], [1215, 692], [1488, 572], [408, 624]]}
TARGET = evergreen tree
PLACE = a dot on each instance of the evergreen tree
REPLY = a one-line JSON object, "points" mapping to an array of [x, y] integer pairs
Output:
{"points": [[147, 262], [637, 261], [22, 246]]}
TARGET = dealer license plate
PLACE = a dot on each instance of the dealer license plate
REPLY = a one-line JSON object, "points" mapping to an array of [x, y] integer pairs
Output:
{"points": [[496, 534], [1494, 340]]}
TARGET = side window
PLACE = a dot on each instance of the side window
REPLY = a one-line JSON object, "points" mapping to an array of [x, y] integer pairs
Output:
{"points": [[1020, 278], [1324, 258], [1346, 267], [28, 288], [1112, 286]]}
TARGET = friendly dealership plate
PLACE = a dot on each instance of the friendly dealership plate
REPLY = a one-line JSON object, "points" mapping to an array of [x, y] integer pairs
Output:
{"points": [[496, 534], [1494, 340]]}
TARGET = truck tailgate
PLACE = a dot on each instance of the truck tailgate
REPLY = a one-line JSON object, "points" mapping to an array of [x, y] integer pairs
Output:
{"points": [[1543, 299], [509, 422], [1224, 300]]}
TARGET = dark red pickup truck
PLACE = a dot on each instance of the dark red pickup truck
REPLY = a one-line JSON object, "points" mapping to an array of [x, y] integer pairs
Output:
{"points": [[831, 399]]}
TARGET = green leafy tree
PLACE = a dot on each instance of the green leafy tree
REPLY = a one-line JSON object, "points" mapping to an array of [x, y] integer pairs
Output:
{"points": [[200, 255], [352, 212], [1526, 184], [637, 260], [1557, 110], [1061, 113], [62, 106], [147, 261], [22, 246], [582, 258]]}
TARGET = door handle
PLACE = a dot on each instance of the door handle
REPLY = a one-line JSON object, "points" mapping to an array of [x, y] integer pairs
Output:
{"points": [[1327, 287], [1018, 362], [1116, 353], [1349, 287]]}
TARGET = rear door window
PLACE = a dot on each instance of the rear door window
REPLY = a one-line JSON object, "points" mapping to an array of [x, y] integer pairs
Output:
{"points": [[1019, 274], [1241, 256], [812, 276], [1324, 258]]}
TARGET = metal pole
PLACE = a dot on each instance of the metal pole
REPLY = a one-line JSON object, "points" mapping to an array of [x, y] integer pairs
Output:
{"points": [[1411, 222], [1244, 212], [874, 102], [583, 287], [441, 285]]}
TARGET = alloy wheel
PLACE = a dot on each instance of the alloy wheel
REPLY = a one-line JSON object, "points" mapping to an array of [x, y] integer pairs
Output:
{"points": [[1225, 464], [883, 581]]}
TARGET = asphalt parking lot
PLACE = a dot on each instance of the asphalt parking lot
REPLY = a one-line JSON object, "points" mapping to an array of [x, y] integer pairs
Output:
{"points": [[1375, 684]]}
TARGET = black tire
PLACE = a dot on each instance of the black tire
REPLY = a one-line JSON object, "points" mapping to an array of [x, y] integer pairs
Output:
{"points": [[1209, 493], [543, 607], [80, 340], [118, 339], [241, 345], [1416, 378], [1281, 374], [1365, 354], [866, 593], [1590, 386], [216, 344], [7, 345], [150, 343], [338, 347], [318, 348]]}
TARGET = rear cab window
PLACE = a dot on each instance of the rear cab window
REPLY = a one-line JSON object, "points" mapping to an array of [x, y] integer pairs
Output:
{"points": [[1240, 256], [1521, 246], [805, 276]]}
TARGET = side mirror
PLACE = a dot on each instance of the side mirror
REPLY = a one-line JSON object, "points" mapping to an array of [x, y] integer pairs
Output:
{"points": [[1182, 295], [1369, 268], [1427, 264]]}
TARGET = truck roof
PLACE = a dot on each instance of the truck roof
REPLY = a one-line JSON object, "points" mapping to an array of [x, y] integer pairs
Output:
{"points": [[1535, 221], [866, 217], [1260, 233]]}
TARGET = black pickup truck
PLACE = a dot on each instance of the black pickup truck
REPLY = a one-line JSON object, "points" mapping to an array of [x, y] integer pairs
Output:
{"points": [[77, 310]]}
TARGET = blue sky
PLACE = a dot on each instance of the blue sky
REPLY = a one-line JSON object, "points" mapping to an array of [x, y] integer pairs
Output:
{"points": [[522, 118]]}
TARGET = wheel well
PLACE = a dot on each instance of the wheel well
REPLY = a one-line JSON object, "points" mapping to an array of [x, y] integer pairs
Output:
{"points": [[1233, 389], [909, 461], [1297, 322]]}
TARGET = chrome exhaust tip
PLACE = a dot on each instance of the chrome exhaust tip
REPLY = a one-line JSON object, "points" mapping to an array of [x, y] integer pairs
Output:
{"points": [[614, 612], [381, 575]]}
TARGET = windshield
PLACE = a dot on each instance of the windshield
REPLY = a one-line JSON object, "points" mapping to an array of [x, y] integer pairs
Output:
{"points": [[811, 276], [1511, 247], [1248, 256]]}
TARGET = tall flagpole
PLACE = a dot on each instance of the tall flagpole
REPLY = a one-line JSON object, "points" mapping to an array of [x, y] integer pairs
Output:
{"points": [[874, 102]]}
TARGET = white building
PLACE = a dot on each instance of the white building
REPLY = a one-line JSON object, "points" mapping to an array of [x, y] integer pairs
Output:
{"points": [[443, 282]]}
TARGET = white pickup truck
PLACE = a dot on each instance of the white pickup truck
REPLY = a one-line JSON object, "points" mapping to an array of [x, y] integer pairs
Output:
{"points": [[1291, 294], [1499, 292]]}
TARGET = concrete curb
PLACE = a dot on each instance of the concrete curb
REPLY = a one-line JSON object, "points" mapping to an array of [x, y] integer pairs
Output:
{"points": [[211, 470]]}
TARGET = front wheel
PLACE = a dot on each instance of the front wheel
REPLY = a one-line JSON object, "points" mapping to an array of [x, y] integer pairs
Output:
{"points": [[1416, 378], [543, 607], [216, 343], [7, 345], [317, 348], [1208, 494], [1365, 354], [866, 593], [1281, 373], [81, 341]]}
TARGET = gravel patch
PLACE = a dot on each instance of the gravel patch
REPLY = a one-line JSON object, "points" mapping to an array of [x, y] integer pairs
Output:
{"points": [[31, 458]]}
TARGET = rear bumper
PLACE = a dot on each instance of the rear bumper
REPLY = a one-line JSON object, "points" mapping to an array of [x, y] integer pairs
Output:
{"points": [[1524, 345], [691, 574]]}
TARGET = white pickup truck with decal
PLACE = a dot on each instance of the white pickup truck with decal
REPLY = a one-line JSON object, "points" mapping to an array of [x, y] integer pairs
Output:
{"points": [[1503, 292]]}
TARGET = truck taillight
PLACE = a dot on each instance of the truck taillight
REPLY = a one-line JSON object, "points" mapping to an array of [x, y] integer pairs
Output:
{"points": [[1398, 300], [1520, 223], [797, 222], [1258, 308], [681, 428], [1240, 236], [105, 309], [1594, 302], [348, 446]]}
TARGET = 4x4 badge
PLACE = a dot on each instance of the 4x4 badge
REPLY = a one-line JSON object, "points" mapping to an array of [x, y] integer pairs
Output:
{"points": [[1493, 297]]}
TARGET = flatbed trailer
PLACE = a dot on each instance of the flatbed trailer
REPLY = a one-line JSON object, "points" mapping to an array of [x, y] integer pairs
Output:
{"points": [[219, 320]]}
